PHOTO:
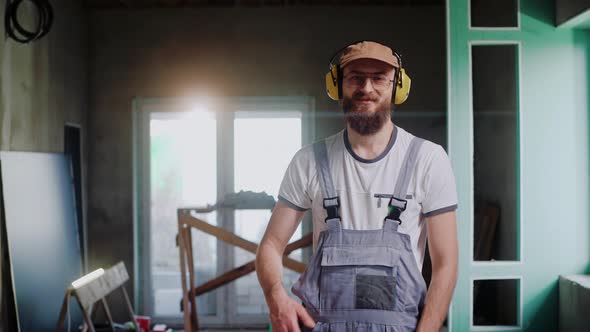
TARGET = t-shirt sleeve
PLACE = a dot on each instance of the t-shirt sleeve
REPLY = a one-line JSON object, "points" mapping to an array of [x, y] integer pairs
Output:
{"points": [[294, 190], [440, 192]]}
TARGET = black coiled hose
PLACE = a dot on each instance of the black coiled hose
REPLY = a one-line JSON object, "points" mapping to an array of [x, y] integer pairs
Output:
{"points": [[16, 31]]}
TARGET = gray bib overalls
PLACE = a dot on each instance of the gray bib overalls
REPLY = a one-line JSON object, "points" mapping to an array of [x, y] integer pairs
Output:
{"points": [[363, 280]]}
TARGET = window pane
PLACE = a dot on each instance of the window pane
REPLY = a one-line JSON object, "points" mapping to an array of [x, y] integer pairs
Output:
{"points": [[183, 174], [496, 302], [495, 98], [494, 14], [264, 147]]}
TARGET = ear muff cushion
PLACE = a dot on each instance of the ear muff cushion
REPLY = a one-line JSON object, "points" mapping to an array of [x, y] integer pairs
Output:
{"points": [[402, 90], [333, 83]]}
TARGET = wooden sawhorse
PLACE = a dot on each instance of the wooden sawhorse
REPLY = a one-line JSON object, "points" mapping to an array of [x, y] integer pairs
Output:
{"points": [[96, 291], [189, 292]]}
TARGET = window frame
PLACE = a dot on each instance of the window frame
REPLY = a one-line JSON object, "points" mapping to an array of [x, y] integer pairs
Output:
{"points": [[226, 110]]}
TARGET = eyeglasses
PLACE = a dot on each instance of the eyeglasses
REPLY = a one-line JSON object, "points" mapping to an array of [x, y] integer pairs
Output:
{"points": [[379, 82]]}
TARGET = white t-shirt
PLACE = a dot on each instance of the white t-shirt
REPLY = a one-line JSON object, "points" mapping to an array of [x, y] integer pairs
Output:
{"points": [[364, 186]]}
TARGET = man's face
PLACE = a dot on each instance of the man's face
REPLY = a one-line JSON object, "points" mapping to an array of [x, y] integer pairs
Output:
{"points": [[366, 94]]}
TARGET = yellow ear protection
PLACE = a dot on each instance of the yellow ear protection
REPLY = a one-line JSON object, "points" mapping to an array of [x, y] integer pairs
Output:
{"points": [[401, 81]]}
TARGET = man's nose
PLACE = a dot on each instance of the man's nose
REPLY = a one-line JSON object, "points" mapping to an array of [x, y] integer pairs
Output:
{"points": [[366, 85]]}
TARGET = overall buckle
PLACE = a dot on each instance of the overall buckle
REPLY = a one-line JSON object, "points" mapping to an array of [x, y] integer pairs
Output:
{"points": [[332, 206], [396, 206]]}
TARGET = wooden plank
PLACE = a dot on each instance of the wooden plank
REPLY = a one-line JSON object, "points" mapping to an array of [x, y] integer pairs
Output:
{"points": [[293, 264], [181, 249], [107, 312], [86, 313], [224, 278], [129, 306], [233, 239], [247, 268], [98, 288], [304, 241], [219, 233], [63, 311], [191, 272]]}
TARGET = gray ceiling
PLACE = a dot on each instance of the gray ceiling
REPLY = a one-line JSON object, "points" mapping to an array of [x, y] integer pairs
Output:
{"points": [[143, 4]]}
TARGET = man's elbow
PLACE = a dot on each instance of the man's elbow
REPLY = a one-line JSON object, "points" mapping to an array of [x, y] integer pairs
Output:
{"points": [[265, 249], [261, 252], [447, 268]]}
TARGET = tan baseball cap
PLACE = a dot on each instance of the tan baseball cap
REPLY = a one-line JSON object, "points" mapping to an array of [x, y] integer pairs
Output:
{"points": [[368, 50]]}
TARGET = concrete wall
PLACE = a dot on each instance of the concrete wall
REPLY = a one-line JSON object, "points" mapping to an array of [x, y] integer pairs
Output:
{"points": [[233, 52], [44, 84]]}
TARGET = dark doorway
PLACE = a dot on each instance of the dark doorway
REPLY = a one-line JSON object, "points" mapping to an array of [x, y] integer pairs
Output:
{"points": [[73, 149]]}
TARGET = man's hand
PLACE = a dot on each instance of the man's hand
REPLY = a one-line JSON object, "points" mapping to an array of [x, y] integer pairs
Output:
{"points": [[285, 313]]}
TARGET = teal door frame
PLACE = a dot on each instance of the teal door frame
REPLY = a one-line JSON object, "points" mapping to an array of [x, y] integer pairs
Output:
{"points": [[552, 114]]}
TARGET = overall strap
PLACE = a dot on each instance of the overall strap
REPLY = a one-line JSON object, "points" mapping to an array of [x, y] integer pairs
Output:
{"points": [[398, 202], [331, 200]]}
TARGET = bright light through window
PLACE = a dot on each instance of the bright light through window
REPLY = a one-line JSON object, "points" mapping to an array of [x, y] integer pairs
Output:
{"points": [[263, 149], [183, 167]]}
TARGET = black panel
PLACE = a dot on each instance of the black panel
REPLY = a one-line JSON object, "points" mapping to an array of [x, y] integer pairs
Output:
{"points": [[72, 148], [495, 302], [494, 14], [567, 9], [495, 154]]}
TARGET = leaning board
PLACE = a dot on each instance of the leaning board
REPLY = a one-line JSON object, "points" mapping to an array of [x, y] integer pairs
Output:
{"points": [[43, 245]]}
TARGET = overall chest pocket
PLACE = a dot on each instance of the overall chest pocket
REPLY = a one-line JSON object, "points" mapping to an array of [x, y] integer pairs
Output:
{"points": [[358, 278]]}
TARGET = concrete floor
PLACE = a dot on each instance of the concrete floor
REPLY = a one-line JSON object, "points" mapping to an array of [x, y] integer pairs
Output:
{"points": [[232, 330]]}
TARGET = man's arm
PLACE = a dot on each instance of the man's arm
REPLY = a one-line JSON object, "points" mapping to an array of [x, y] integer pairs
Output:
{"points": [[443, 248], [285, 312]]}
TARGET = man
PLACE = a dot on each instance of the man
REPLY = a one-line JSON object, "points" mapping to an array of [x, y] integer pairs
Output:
{"points": [[376, 193]]}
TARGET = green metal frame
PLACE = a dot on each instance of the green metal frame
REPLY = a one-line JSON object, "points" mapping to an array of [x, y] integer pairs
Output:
{"points": [[552, 161]]}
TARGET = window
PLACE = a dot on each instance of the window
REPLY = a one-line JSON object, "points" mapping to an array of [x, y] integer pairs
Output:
{"points": [[195, 156]]}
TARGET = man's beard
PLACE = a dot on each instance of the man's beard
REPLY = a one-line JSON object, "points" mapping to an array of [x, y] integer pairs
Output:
{"points": [[362, 121]]}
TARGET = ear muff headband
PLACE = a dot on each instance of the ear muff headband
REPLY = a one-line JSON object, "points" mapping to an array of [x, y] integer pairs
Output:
{"points": [[401, 82]]}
